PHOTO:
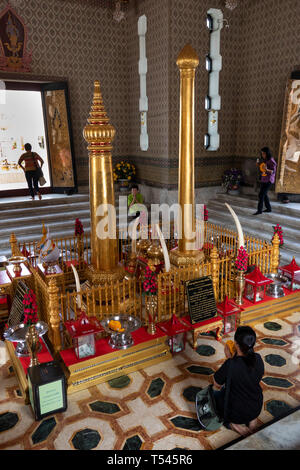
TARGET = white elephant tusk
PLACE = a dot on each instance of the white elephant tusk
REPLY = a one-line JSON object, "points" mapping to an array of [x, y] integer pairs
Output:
{"points": [[238, 225], [77, 281], [134, 235], [164, 248]]}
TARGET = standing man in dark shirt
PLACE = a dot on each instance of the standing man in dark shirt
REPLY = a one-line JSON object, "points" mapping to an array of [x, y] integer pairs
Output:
{"points": [[31, 170], [245, 394]]}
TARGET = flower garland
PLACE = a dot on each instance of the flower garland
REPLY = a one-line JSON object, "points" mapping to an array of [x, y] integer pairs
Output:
{"points": [[150, 282], [278, 230], [241, 261], [205, 214], [30, 308], [124, 171], [78, 228]]}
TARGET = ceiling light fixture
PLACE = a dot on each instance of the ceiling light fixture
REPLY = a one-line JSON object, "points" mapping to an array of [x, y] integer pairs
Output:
{"points": [[231, 4]]}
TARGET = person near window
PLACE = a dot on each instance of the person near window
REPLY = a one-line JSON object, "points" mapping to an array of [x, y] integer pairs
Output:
{"points": [[245, 398], [268, 172], [31, 170]]}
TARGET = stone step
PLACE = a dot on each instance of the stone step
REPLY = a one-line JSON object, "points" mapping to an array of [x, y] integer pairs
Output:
{"points": [[292, 209], [265, 221], [257, 232], [261, 226]]}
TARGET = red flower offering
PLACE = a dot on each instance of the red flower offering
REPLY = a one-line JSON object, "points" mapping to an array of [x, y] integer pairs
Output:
{"points": [[78, 227], [30, 308], [241, 261], [278, 230], [150, 282]]}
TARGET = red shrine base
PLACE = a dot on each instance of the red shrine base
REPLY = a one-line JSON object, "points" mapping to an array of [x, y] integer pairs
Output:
{"points": [[109, 363], [269, 307], [147, 350]]}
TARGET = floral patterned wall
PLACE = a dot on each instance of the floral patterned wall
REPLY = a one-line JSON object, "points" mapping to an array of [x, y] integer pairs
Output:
{"points": [[80, 40]]}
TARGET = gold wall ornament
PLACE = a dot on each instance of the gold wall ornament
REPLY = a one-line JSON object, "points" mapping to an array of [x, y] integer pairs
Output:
{"points": [[99, 134], [288, 171], [32, 343], [187, 63]]}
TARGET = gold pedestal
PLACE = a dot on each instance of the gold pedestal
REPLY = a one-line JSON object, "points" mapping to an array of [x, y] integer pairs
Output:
{"points": [[187, 63], [240, 286], [99, 134], [180, 258], [98, 277]]}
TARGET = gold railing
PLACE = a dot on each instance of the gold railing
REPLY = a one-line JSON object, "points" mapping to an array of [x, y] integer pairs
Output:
{"points": [[57, 304], [123, 297]]}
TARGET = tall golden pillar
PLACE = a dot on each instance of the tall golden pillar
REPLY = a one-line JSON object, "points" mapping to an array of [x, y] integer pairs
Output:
{"points": [[99, 134], [187, 63]]}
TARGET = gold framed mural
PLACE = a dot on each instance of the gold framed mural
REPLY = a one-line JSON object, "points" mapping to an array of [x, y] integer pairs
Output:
{"points": [[288, 174], [59, 141]]}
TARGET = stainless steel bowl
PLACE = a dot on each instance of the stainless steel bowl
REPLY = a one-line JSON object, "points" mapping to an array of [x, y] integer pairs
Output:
{"points": [[121, 340], [17, 334]]}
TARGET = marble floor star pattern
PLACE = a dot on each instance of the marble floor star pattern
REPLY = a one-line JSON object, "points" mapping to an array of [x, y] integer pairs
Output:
{"points": [[153, 408]]}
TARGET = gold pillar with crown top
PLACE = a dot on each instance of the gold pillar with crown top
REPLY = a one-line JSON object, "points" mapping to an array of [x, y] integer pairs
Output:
{"points": [[99, 134], [187, 63]]}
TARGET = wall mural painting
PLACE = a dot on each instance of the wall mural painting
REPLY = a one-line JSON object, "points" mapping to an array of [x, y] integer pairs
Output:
{"points": [[13, 39], [59, 139], [288, 176]]}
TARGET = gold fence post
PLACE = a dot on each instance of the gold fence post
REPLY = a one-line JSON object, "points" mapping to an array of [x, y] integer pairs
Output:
{"points": [[214, 259], [13, 245], [274, 261], [54, 319]]}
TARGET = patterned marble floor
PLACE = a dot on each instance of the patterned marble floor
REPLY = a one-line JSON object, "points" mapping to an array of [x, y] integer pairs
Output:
{"points": [[153, 408]]}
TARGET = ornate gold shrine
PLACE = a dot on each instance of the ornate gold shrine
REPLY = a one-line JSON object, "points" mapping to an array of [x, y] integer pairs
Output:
{"points": [[101, 266]]}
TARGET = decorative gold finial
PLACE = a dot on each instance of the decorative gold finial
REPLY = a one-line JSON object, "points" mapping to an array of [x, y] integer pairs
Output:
{"points": [[187, 58], [99, 133]]}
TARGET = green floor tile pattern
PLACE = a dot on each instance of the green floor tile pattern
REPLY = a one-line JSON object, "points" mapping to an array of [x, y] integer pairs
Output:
{"points": [[162, 384], [43, 430], [275, 360], [86, 439], [156, 387], [104, 407], [8, 421]]}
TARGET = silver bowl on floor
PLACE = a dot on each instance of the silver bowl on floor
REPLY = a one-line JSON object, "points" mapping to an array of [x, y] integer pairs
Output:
{"points": [[275, 289], [121, 340]]}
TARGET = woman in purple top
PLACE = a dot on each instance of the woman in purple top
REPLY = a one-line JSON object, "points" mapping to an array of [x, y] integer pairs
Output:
{"points": [[266, 180]]}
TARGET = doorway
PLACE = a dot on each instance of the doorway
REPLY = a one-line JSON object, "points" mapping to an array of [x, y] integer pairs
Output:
{"points": [[21, 121]]}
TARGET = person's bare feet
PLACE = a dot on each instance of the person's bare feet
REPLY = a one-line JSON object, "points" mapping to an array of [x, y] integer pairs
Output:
{"points": [[253, 425], [240, 429], [40, 196]]}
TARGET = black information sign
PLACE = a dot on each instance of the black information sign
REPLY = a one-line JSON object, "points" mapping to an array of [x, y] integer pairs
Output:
{"points": [[201, 299], [47, 389]]}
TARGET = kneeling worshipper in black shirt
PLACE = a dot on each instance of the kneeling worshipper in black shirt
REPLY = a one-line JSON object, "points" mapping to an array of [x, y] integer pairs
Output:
{"points": [[245, 398]]}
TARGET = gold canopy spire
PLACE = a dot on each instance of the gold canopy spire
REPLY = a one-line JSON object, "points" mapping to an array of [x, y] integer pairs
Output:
{"points": [[99, 133]]}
